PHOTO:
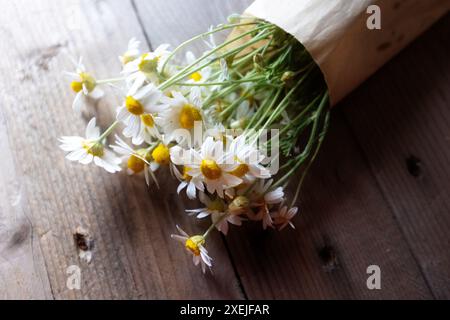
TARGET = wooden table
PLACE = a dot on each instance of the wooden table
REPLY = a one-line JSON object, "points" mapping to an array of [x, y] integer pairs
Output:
{"points": [[378, 195]]}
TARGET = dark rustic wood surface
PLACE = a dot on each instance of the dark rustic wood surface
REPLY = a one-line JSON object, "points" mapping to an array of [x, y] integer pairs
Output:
{"points": [[378, 194]]}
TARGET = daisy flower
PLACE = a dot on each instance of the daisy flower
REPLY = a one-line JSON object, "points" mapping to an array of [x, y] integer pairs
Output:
{"points": [[146, 67], [84, 85], [132, 52], [218, 211], [210, 165], [182, 114], [248, 159], [243, 114], [90, 149], [198, 77], [222, 220], [262, 199], [137, 161], [186, 181], [283, 217], [160, 157], [260, 193], [137, 113], [195, 246], [212, 206]]}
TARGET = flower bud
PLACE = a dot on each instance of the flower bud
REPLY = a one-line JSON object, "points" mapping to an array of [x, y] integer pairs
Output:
{"points": [[258, 62], [239, 205], [287, 76], [234, 18]]}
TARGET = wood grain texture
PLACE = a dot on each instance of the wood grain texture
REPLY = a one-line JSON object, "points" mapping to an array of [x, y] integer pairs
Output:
{"points": [[133, 255], [401, 118], [343, 227]]}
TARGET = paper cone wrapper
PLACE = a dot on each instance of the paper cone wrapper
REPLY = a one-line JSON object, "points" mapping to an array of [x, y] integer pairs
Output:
{"points": [[336, 34]]}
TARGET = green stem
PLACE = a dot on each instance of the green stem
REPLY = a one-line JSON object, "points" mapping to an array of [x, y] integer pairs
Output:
{"points": [[218, 83], [108, 131], [211, 228], [112, 80], [316, 152], [180, 75], [200, 36], [312, 139]]}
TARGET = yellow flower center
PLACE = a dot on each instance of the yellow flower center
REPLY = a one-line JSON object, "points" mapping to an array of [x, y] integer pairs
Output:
{"points": [[76, 86], [94, 148], [186, 175], [161, 154], [85, 79], [210, 169], [241, 170], [134, 106], [148, 65], [193, 244], [127, 58], [239, 205], [196, 76], [135, 162], [148, 120], [188, 115]]}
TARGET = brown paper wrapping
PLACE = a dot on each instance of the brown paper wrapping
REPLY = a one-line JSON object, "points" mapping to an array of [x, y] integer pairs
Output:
{"points": [[335, 32]]}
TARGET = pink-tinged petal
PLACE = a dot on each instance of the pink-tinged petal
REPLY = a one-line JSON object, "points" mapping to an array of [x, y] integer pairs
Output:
{"points": [[198, 184], [223, 227], [275, 196], [236, 220], [196, 260], [231, 181]]}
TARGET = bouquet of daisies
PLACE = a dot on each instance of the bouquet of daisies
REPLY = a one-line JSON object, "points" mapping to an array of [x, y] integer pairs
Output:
{"points": [[233, 126]]}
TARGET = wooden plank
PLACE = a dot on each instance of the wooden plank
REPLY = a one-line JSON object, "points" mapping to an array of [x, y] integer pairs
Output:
{"points": [[183, 20], [344, 214], [22, 267], [344, 226], [133, 255], [401, 119]]}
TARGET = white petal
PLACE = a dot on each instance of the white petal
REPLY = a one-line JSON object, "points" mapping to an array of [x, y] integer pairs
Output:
{"points": [[91, 130], [182, 185], [87, 160], [96, 93], [78, 102], [191, 191], [76, 155]]}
